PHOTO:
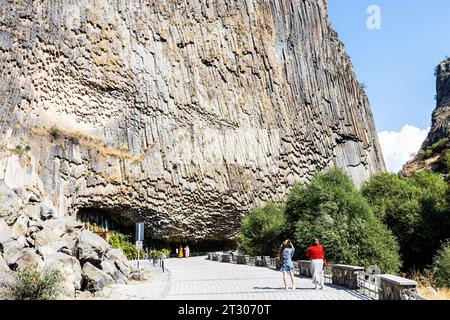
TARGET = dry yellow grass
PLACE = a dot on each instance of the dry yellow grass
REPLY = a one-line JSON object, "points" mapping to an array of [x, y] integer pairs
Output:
{"points": [[121, 152], [434, 293], [427, 289]]}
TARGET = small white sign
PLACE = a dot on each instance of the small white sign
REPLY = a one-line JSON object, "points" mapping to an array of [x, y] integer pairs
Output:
{"points": [[139, 245]]}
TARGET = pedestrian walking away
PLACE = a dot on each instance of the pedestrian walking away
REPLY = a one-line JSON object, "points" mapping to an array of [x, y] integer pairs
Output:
{"points": [[316, 254], [287, 267], [187, 251]]}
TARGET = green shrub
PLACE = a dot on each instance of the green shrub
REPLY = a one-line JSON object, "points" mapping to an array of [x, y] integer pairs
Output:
{"points": [[261, 231], [331, 208], [440, 269], [20, 150], [55, 132], [446, 161], [415, 210], [30, 284], [439, 146], [123, 242], [164, 251]]}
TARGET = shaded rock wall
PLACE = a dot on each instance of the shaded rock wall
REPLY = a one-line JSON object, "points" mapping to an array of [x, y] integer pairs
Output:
{"points": [[183, 113]]}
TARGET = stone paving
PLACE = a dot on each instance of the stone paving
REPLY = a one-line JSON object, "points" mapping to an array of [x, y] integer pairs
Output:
{"points": [[200, 279]]}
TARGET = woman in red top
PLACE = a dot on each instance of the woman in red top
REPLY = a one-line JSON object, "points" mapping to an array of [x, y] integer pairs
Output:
{"points": [[315, 253]]}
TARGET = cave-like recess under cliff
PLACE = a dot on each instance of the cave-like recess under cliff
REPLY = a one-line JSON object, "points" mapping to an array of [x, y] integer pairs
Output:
{"points": [[182, 114]]}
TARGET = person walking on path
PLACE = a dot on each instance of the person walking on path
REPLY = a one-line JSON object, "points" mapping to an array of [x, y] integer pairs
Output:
{"points": [[287, 267], [180, 252], [187, 251], [315, 253]]}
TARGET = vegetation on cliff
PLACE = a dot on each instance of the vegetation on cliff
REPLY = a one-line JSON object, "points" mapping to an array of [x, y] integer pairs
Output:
{"points": [[331, 208], [416, 209]]}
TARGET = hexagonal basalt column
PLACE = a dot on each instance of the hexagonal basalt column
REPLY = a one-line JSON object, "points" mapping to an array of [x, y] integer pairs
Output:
{"points": [[346, 276], [393, 287]]}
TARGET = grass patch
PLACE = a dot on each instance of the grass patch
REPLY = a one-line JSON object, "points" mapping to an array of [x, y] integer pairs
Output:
{"points": [[20, 150], [94, 143]]}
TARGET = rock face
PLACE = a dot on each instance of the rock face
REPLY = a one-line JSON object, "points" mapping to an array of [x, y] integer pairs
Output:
{"points": [[440, 128], [184, 114], [436, 147]]}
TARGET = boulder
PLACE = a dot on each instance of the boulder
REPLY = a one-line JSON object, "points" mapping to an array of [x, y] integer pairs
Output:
{"points": [[19, 228], [120, 261], [29, 259], [110, 268], [3, 267], [63, 225], [91, 247], [46, 251], [33, 212], [70, 269], [10, 203], [47, 213], [69, 243], [46, 237], [12, 251], [83, 295], [5, 231], [95, 279]]}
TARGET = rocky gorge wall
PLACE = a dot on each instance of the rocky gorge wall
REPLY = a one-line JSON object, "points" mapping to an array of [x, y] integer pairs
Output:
{"points": [[183, 114], [432, 155], [440, 127]]}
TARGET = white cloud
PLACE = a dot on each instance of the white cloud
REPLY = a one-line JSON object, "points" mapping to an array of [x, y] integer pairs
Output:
{"points": [[400, 147]]}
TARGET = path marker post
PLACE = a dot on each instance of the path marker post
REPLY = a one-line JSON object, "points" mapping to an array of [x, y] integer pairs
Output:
{"points": [[139, 239]]}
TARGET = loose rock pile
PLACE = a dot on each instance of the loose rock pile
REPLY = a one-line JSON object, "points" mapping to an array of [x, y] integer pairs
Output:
{"points": [[31, 236]]}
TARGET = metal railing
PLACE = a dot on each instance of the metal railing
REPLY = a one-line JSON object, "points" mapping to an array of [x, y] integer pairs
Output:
{"points": [[411, 294], [328, 275], [368, 285]]}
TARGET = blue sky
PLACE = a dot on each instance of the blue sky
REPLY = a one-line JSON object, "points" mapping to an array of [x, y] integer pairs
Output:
{"points": [[397, 62]]}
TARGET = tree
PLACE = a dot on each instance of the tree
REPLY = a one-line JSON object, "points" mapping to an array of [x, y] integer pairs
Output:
{"points": [[261, 231], [440, 269], [331, 208], [415, 210]]}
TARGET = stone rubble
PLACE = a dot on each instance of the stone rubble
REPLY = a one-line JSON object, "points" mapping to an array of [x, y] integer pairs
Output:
{"points": [[86, 261]]}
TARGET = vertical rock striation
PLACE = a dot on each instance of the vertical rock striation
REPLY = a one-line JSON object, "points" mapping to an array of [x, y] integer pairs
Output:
{"points": [[183, 113], [440, 127], [436, 148]]}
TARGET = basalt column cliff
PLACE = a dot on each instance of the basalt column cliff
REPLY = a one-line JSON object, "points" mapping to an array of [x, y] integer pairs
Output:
{"points": [[185, 114]]}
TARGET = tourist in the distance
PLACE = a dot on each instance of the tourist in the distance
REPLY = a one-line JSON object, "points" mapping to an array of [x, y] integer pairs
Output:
{"points": [[187, 251], [315, 253], [180, 252], [287, 267]]}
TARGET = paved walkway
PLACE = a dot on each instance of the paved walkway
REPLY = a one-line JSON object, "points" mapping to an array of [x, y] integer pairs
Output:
{"points": [[200, 279]]}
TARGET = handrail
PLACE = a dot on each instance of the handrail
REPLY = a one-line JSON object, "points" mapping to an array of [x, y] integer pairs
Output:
{"points": [[368, 285], [410, 294]]}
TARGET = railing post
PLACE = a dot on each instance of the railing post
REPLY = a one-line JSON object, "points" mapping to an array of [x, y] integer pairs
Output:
{"points": [[304, 268], [226, 258], [242, 259], [394, 287], [346, 276]]}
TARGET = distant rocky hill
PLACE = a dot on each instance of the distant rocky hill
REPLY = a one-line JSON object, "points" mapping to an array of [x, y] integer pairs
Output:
{"points": [[182, 114], [435, 152]]}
